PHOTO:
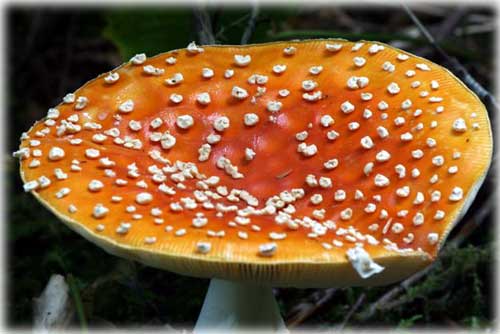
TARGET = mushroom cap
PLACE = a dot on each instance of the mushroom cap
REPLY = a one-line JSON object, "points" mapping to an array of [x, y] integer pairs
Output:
{"points": [[356, 146]]}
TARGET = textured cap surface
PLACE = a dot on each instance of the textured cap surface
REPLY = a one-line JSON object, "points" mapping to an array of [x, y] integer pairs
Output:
{"points": [[313, 163]]}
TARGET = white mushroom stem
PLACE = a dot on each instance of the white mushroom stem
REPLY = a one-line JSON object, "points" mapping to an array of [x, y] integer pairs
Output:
{"points": [[53, 310], [235, 306]]}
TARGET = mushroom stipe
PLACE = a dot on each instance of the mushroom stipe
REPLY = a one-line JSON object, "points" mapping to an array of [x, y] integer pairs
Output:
{"points": [[183, 161]]}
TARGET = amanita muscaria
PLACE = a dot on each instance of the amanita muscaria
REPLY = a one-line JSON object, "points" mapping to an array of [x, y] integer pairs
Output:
{"points": [[306, 163]]}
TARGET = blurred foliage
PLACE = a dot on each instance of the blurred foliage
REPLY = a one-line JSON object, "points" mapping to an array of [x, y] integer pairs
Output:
{"points": [[150, 31], [231, 23], [408, 323], [155, 30], [54, 51]]}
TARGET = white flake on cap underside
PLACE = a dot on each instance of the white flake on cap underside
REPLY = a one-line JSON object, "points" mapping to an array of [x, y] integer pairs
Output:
{"points": [[362, 262]]}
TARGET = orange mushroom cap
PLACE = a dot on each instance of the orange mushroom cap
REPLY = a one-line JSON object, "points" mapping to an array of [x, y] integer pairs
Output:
{"points": [[307, 163]]}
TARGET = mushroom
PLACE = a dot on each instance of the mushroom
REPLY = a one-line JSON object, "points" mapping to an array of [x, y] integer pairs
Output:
{"points": [[308, 163]]}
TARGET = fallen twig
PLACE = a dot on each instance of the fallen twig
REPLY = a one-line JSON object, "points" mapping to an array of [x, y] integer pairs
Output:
{"points": [[443, 30], [204, 26], [353, 310], [393, 293], [487, 27], [306, 308], [247, 34], [455, 65], [220, 33], [471, 224], [449, 24]]}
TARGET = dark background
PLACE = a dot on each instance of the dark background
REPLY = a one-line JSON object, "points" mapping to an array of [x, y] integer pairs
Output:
{"points": [[52, 51]]}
